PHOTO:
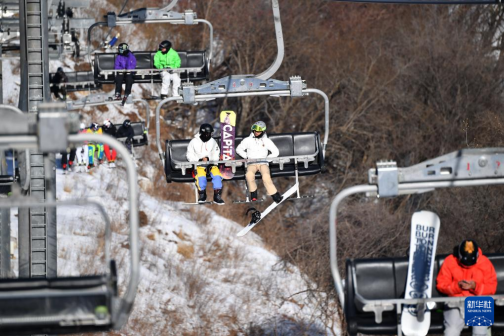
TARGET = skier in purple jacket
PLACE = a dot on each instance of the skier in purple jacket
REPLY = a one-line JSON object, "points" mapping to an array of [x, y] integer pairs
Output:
{"points": [[125, 60]]}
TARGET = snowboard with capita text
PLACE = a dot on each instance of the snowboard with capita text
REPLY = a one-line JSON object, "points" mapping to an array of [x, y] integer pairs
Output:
{"points": [[227, 143], [416, 319], [258, 216]]}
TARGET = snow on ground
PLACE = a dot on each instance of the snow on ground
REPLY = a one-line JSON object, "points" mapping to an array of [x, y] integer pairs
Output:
{"points": [[195, 273]]}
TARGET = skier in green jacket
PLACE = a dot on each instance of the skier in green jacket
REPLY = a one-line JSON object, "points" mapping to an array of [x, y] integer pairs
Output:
{"points": [[168, 59]]}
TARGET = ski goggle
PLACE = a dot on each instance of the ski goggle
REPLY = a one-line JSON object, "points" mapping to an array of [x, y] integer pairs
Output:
{"points": [[257, 128]]}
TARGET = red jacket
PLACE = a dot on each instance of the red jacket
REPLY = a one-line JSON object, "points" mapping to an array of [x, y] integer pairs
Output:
{"points": [[452, 271]]}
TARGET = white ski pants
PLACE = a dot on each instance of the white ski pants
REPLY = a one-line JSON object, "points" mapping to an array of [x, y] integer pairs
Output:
{"points": [[82, 155], [266, 177], [165, 86], [454, 323]]}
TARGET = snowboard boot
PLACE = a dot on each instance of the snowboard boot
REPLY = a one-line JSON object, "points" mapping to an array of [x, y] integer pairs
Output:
{"points": [[217, 197], [117, 96], [124, 99], [163, 96], [202, 196], [277, 197], [253, 196]]}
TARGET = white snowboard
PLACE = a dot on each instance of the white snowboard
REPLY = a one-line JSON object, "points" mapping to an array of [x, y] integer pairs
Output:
{"points": [[272, 206], [416, 319]]}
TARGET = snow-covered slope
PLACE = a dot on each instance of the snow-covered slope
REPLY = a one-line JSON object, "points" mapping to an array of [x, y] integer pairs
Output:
{"points": [[196, 276]]}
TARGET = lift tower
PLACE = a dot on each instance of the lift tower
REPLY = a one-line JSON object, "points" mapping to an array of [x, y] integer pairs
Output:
{"points": [[37, 226]]}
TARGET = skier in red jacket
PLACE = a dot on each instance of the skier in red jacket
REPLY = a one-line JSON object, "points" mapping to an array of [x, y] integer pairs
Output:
{"points": [[465, 273]]}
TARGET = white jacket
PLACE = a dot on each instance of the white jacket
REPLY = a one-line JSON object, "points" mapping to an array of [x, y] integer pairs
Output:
{"points": [[198, 149], [257, 148]]}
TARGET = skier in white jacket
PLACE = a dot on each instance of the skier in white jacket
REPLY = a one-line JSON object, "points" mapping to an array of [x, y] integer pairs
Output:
{"points": [[259, 146], [204, 148]]}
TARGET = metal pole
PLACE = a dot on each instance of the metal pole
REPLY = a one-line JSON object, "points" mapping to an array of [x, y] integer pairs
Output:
{"points": [[280, 43]]}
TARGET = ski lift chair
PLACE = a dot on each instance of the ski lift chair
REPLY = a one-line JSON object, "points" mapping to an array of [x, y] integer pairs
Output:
{"points": [[140, 138], [300, 155], [78, 81], [64, 304], [371, 280], [373, 294], [193, 67], [140, 128]]}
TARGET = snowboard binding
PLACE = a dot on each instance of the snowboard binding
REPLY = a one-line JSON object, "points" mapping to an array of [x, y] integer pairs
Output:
{"points": [[256, 215]]}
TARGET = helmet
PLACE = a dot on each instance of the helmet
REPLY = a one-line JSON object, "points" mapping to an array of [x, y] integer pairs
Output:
{"points": [[60, 69], [205, 132], [123, 49], [259, 126], [165, 44], [468, 252], [82, 126], [95, 126], [107, 123], [127, 123], [206, 128]]}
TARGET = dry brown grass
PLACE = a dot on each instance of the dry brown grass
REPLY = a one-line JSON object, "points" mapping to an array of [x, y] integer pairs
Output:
{"points": [[186, 249], [67, 187]]}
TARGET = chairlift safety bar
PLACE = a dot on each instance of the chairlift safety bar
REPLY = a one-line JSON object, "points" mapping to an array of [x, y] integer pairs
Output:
{"points": [[151, 72], [191, 96], [280, 160], [379, 306]]}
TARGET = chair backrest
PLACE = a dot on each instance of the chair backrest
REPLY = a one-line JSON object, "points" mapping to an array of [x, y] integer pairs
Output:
{"points": [[195, 59], [183, 59], [144, 60]]}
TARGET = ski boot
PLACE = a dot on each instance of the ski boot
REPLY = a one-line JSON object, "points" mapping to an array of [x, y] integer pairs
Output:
{"points": [[124, 99], [277, 197], [217, 197], [202, 196], [117, 96], [64, 166], [253, 196]]}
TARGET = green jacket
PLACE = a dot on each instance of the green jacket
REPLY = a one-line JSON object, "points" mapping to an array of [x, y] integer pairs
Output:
{"points": [[169, 60]]}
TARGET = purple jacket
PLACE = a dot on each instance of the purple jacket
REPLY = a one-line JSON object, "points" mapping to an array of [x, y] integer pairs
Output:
{"points": [[125, 62]]}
